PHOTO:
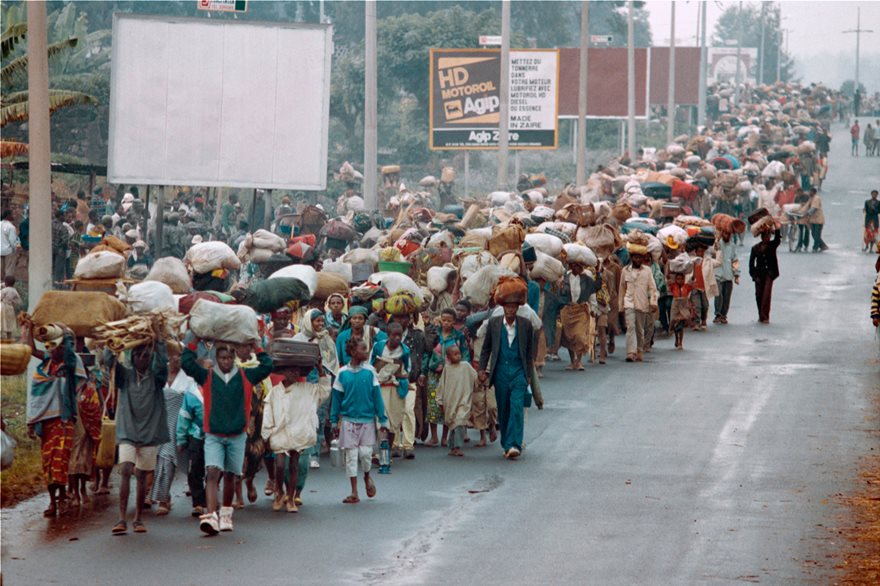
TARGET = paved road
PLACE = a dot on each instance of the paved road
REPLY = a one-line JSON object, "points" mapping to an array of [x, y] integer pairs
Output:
{"points": [[712, 465]]}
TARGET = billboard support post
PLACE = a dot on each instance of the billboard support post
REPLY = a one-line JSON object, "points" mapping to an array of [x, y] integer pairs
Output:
{"points": [[581, 156], [670, 104], [631, 81], [504, 82], [704, 72], [370, 108], [467, 173], [40, 168]]}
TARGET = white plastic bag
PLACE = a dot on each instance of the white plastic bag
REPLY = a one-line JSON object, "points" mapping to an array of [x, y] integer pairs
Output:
{"points": [[438, 278], [172, 272], [343, 269], [479, 286], [396, 283], [575, 252], [205, 257], [7, 450], [150, 296], [359, 256], [218, 321], [547, 267], [269, 241], [679, 235], [546, 243], [304, 273], [100, 265], [474, 262]]}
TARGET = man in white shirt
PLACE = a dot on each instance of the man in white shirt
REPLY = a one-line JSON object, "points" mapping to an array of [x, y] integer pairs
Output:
{"points": [[9, 245]]}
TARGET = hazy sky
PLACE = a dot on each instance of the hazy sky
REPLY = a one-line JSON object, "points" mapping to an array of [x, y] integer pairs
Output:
{"points": [[816, 39]]}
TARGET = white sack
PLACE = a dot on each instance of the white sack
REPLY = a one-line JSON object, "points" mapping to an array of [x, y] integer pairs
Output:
{"points": [[269, 241], [341, 268], [479, 286], [218, 321], [474, 262], [100, 265], [396, 283], [172, 272], [547, 267], [150, 296], [208, 256], [304, 273], [438, 278], [576, 252], [546, 243]]}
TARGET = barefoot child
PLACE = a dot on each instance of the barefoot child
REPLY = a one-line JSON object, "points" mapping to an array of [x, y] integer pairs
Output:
{"points": [[290, 423], [356, 404], [391, 360], [454, 395]]}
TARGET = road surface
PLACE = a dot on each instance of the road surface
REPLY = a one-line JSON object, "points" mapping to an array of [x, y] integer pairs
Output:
{"points": [[713, 465]]}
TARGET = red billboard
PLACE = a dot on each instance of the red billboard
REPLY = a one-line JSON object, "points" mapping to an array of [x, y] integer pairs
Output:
{"points": [[687, 75]]}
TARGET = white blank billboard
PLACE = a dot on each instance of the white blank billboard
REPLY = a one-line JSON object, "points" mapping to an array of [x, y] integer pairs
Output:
{"points": [[219, 103]]}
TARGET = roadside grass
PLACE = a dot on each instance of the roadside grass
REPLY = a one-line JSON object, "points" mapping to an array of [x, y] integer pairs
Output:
{"points": [[24, 479]]}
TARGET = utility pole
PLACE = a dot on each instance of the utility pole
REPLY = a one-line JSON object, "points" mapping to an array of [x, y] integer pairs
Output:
{"points": [[739, 43], [704, 63], [761, 46], [630, 81], [371, 113], [39, 169], [504, 111], [858, 32], [581, 162], [670, 102]]}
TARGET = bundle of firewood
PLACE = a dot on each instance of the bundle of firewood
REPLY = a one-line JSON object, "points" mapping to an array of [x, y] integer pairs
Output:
{"points": [[137, 330]]}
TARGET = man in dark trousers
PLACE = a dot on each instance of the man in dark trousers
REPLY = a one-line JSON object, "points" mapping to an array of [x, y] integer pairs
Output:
{"points": [[507, 359], [764, 269]]}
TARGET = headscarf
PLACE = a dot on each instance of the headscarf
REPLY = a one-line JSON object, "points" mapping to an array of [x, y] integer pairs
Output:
{"points": [[328, 348]]}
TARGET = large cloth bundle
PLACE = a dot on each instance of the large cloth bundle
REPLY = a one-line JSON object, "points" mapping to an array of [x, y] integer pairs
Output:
{"points": [[100, 265], [765, 224], [546, 243], [729, 224], [149, 296], [575, 252], [469, 264], [205, 257], [303, 273], [621, 211], [510, 289], [172, 272], [672, 236], [268, 240], [682, 264], [567, 228], [229, 323], [81, 311], [120, 246], [330, 283], [402, 303], [773, 169], [273, 293], [473, 239], [547, 267], [508, 237], [438, 278], [339, 230], [685, 221], [578, 214], [479, 286], [396, 283], [359, 256], [603, 240]]}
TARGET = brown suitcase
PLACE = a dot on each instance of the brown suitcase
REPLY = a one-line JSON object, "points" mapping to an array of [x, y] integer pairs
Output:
{"points": [[288, 352]]}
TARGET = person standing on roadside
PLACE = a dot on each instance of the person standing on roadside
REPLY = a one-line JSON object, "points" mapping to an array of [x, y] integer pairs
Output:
{"points": [[9, 245], [854, 132], [816, 218], [726, 275], [764, 269]]}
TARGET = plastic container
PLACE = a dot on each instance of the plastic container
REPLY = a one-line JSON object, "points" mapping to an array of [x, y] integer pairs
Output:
{"points": [[335, 454]]}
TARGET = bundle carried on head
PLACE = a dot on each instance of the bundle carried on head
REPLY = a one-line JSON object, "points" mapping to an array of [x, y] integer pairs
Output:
{"points": [[637, 242], [682, 264], [764, 224], [510, 289], [137, 330], [403, 303], [579, 253], [728, 224]]}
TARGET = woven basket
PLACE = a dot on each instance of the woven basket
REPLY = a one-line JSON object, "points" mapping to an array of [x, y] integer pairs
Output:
{"points": [[14, 358]]}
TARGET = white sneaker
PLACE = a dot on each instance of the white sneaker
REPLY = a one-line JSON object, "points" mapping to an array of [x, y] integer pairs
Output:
{"points": [[314, 463], [208, 524], [226, 518]]}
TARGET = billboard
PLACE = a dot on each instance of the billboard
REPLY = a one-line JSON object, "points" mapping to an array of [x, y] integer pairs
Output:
{"points": [[219, 103], [465, 105], [606, 90], [722, 65], [687, 75]]}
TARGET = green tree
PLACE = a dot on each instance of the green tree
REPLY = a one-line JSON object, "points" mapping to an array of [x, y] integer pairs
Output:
{"points": [[748, 20]]}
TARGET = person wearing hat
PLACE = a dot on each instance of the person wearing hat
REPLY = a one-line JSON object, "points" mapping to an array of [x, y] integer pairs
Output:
{"points": [[139, 255], [51, 408], [507, 360]]}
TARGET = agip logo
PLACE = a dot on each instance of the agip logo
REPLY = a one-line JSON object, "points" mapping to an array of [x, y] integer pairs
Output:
{"points": [[468, 90]]}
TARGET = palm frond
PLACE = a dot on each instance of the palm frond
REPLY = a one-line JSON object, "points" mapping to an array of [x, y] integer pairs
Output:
{"points": [[10, 149], [11, 37], [16, 70], [18, 111]]}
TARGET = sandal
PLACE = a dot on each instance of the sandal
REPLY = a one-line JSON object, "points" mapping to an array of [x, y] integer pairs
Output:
{"points": [[371, 487], [120, 528], [139, 527], [51, 512], [164, 509], [351, 500]]}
